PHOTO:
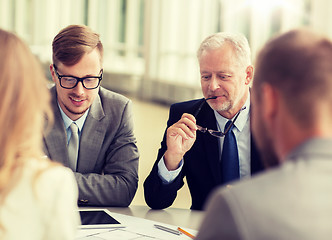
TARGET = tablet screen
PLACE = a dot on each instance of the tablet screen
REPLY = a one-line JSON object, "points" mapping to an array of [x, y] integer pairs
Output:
{"points": [[97, 218]]}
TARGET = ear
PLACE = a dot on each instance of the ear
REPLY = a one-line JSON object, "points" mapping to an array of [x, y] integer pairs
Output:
{"points": [[249, 74], [52, 73]]}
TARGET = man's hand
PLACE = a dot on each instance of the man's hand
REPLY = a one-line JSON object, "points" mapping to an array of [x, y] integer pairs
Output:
{"points": [[179, 139]]}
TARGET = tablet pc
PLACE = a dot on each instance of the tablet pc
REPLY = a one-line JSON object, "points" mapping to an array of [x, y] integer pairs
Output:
{"points": [[98, 218]]}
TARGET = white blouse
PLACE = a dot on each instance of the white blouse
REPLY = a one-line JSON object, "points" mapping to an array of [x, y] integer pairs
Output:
{"points": [[41, 208]]}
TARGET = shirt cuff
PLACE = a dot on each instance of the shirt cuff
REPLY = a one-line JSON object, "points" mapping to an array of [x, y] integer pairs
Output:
{"points": [[167, 176]]}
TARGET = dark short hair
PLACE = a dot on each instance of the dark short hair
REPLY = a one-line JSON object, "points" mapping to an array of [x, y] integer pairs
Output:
{"points": [[298, 64], [72, 42]]}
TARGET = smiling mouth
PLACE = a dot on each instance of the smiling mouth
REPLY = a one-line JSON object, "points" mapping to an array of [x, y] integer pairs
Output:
{"points": [[76, 100]]}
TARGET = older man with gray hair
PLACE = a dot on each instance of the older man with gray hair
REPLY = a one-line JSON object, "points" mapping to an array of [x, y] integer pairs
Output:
{"points": [[208, 140]]}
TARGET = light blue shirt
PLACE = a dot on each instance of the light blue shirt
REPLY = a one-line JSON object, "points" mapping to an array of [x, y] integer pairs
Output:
{"points": [[67, 122], [242, 135]]}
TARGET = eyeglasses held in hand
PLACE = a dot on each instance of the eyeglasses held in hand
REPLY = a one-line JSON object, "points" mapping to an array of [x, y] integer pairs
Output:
{"points": [[215, 133], [69, 82]]}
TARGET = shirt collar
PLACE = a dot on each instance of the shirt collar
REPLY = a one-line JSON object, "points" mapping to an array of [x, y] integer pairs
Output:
{"points": [[240, 121], [79, 122]]}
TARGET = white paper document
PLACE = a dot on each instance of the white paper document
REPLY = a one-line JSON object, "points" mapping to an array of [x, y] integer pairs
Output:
{"points": [[135, 228]]}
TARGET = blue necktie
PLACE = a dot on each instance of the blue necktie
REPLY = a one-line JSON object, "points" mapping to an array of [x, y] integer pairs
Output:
{"points": [[230, 156]]}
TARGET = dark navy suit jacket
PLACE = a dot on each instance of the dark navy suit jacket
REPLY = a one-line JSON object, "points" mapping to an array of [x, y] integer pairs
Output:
{"points": [[201, 163]]}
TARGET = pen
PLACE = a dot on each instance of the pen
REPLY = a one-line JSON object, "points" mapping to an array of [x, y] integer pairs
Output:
{"points": [[186, 233], [167, 229]]}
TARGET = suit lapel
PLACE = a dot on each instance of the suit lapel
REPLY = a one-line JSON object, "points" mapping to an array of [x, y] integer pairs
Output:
{"points": [[211, 144], [56, 139], [256, 164], [255, 159], [92, 137]]}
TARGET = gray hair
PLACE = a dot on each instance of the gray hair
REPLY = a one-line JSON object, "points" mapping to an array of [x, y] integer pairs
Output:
{"points": [[237, 40]]}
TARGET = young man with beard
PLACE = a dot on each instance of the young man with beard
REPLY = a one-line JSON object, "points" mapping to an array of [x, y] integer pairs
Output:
{"points": [[196, 138], [93, 127], [292, 123]]}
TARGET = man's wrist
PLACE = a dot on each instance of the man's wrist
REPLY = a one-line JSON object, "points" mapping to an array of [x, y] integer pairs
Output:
{"points": [[172, 160], [165, 175]]}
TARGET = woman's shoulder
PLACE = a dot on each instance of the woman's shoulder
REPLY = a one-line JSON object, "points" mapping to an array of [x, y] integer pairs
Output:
{"points": [[47, 173]]}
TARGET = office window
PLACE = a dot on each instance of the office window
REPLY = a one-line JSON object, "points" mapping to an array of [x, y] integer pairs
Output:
{"points": [[175, 30], [150, 45], [120, 25]]}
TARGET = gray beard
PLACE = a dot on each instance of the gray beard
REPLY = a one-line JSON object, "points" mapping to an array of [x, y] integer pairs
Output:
{"points": [[224, 107]]}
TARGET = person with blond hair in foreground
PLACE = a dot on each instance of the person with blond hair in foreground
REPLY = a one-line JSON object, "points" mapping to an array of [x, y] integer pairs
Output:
{"points": [[292, 124], [38, 198]]}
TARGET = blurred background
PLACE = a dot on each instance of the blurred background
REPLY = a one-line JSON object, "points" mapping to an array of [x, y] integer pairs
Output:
{"points": [[150, 47]]}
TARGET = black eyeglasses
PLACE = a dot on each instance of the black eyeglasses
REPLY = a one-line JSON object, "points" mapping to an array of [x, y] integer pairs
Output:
{"points": [[69, 82], [215, 133]]}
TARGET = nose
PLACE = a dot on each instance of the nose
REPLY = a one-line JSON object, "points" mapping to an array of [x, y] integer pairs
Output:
{"points": [[79, 89], [213, 83]]}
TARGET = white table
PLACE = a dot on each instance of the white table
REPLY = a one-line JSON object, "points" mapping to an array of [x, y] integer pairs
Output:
{"points": [[140, 222], [174, 216]]}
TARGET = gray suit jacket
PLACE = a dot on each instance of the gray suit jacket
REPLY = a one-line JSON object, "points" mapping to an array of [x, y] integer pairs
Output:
{"points": [[108, 156], [293, 201]]}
